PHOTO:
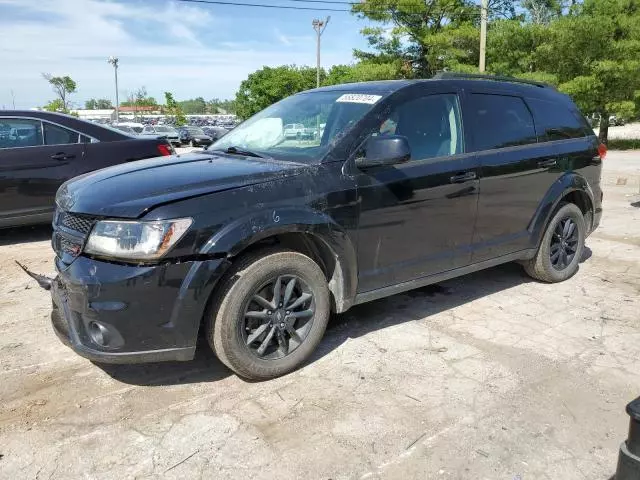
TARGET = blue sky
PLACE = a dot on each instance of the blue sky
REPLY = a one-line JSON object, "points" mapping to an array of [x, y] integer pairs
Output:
{"points": [[189, 49]]}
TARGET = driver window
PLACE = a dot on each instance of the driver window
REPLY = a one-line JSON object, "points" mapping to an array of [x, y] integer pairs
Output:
{"points": [[432, 124]]}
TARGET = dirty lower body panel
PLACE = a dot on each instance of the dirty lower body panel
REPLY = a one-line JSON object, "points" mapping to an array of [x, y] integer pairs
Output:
{"points": [[114, 313]]}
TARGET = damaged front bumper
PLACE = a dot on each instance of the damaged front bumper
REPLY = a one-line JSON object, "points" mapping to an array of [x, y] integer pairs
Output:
{"points": [[114, 313]]}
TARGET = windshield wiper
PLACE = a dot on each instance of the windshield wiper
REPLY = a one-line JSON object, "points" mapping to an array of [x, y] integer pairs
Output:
{"points": [[240, 151]]}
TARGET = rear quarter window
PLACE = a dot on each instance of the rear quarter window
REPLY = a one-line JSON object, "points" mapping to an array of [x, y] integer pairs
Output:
{"points": [[558, 120], [56, 135]]}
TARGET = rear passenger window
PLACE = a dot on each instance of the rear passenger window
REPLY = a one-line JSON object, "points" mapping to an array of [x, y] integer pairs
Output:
{"points": [[499, 121], [55, 135], [557, 121], [17, 132]]}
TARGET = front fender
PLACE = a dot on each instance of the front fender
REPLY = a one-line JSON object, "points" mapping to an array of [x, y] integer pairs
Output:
{"points": [[236, 236], [567, 183]]}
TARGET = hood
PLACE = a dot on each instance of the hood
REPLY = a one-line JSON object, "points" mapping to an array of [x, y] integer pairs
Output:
{"points": [[129, 190]]}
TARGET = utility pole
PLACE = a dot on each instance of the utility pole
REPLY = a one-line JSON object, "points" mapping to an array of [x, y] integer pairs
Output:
{"points": [[483, 34], [13, 99], [319, 26], [114, 61]]}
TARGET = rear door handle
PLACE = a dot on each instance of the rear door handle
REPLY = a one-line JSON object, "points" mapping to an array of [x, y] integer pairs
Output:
{"points": [[62, 156], [463, 177], [547, 163]]}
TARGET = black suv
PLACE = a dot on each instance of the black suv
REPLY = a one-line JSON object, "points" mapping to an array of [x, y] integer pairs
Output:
{"points": [[259, 238]]}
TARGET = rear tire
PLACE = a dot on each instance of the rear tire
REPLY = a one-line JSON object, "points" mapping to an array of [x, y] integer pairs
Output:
{"points": [[265, 339], [561, 247]]}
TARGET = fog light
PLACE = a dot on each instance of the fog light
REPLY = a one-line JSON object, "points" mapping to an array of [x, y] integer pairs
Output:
{"points": [[98, 334]]}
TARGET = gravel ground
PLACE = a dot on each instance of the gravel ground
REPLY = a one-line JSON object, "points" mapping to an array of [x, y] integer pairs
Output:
{"points": [[630, 131], [489, 376]]}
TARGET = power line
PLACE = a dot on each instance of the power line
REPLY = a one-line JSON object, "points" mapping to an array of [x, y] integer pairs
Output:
{"points": [[291, 7], [288, 7]]}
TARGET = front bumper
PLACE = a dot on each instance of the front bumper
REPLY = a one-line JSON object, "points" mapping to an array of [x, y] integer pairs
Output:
{"points": [[142, 313]]}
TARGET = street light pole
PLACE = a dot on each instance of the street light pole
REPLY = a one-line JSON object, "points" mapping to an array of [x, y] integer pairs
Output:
{"points": [[114, 61], [319, 26], [483, 34]]}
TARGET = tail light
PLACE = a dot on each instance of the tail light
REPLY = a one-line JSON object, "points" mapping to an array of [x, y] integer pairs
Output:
{"points": [[165, 150], [602, 151]]}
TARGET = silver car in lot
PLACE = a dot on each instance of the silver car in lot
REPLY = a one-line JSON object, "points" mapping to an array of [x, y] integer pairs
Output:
{"points": [[163, 131]]}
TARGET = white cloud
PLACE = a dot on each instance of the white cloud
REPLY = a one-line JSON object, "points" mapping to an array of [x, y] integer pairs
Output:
{"points": [[75, 37], [294, 40], [281, 36]]}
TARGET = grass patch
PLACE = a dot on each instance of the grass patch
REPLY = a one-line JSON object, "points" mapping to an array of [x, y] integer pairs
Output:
{"points": [[623, 144]]}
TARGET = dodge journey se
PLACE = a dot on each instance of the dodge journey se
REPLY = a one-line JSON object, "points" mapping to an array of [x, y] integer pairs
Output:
{"points": [[254, 241]]}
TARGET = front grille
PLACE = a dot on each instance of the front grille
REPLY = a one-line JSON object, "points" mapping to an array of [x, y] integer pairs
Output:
{"points": [[69, 246], [70, 232], [80, 223]]}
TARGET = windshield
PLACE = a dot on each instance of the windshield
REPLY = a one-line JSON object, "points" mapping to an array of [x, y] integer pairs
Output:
{"points": [[195, 130], [164, 129], [300, 128]]}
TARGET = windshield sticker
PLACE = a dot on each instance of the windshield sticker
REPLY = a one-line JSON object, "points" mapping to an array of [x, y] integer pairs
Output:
{"points": [[358, 98]]}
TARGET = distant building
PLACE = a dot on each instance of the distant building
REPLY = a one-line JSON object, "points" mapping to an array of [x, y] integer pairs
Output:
{"points": [[96, 115], [142, 110]]}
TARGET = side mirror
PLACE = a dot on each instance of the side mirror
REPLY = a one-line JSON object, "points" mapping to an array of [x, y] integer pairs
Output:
{"points": [[384, 150]]}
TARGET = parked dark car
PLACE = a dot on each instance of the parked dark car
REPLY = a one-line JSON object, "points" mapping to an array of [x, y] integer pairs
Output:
{"points": [[194, 136], [256, 240], [216, 133], [41, 150], [164, 131]]}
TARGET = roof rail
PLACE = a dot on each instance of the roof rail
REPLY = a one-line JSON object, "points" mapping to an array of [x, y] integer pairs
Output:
{"points": [[495, 78]]}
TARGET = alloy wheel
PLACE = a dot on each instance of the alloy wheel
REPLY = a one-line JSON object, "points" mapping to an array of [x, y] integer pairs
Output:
{"points": [[564, 243], [278, 317]]}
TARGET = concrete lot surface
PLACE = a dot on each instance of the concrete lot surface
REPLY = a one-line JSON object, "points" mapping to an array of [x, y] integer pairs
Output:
{"points": [[489, 376]]}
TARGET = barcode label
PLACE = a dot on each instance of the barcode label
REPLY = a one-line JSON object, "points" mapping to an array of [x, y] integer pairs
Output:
{"points": [[358, 98]]}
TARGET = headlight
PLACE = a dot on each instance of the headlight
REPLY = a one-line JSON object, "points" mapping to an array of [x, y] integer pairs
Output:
{"points": [[135, 240]]}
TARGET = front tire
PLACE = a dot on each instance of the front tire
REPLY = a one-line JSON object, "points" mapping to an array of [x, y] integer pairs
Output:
{"points": [[561, 248], [193, 143], [269, 314]]}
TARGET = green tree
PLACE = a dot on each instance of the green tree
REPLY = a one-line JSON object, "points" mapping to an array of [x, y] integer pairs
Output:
{"points": [[542, 11], [63, 87], [216, 105], [194, 106], [363, 72], [99, 104], [593, 52], [425, 36], [140, 98], [173, 109], [269, 85], [511, 47], [55, 106]]}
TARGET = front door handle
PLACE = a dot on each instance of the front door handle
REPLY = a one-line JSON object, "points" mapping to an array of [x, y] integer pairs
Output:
{"points": [[62, 156], [547, 163], [463, 177]]}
